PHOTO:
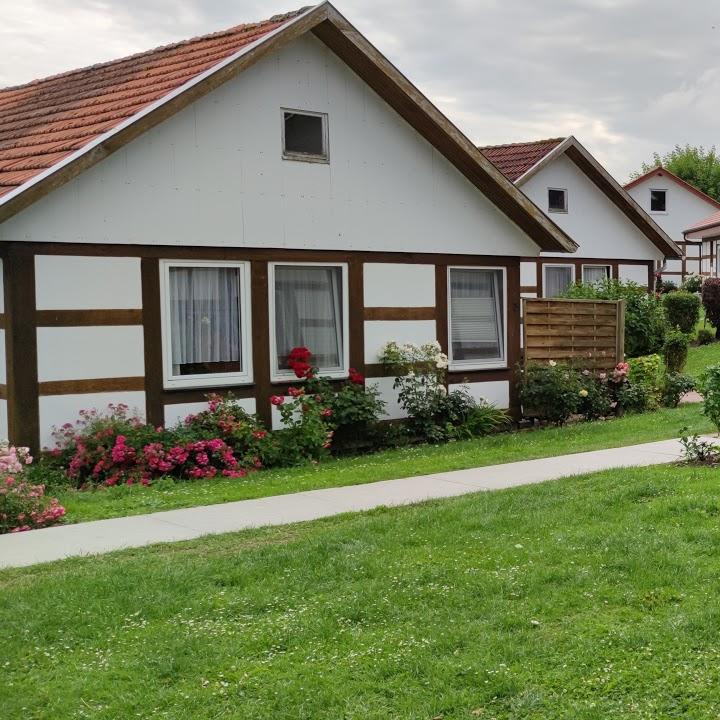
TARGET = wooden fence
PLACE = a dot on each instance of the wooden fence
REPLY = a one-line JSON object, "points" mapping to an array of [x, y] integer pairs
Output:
{"points": [[583, 333]]}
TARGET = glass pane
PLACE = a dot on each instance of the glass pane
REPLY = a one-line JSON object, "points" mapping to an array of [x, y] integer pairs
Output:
{"points": [[304, 134], [308, 313], [557, 280], [556, 200], [595, 273], [657, 200], [476, 314], [205, 320]]}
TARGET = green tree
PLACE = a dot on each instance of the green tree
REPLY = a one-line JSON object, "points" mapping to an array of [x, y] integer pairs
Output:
{"points": [[695, 165]]}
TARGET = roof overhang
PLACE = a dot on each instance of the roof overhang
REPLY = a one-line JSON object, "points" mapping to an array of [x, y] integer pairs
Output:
{"points": [[664, 172], [327, 24], [574, 149]]}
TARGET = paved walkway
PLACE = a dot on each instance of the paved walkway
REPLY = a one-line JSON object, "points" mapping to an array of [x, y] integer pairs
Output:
{"points": [[102, 536]]}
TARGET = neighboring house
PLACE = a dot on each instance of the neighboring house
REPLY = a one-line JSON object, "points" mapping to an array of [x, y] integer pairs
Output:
{"points": [[616, 237], [706, 235], [173, 223], [675, 205]]}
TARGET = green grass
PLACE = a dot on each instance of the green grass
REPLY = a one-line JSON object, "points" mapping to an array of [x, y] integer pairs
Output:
{"points": [[420, 460], [700, 357], [588, 598]]}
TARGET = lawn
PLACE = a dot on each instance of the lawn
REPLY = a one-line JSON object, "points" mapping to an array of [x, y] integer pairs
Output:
{"points": [[592, 597], [419, 460], [700, 357]]}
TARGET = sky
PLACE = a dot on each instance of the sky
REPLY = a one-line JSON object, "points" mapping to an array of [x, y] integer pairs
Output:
{"points": [[626, 77]]}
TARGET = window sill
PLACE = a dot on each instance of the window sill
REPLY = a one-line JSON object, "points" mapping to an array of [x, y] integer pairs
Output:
{"points": [[558, 212], [292, 378], [210, 382], [460, 368], [299, 157]]}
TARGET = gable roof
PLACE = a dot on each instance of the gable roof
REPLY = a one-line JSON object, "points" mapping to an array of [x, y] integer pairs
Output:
{"points": [[574, 149], [664, 172], [165, 80], [707, 227], [515, 159]]}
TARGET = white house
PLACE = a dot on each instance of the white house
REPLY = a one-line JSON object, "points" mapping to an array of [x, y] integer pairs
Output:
{"points": [[675, 206], [616, 237], [172, 223]]}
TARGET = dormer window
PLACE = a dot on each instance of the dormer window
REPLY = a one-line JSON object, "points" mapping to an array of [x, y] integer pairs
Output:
{"points": [[658, 201], [557, 200], [305, 136]]}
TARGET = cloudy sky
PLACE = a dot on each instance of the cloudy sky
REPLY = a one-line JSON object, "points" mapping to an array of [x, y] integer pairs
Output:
{"points": [[627, 77]]}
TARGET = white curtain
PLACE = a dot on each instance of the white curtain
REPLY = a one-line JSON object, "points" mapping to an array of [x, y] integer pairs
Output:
{"points": [[205, 318], [595, 273], [308, 312], [476, 314], [557, 280]]}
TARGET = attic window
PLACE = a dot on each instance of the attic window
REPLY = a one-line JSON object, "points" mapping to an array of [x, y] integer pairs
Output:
{"points": [[658, 201], [305, 136], [557, 200]]}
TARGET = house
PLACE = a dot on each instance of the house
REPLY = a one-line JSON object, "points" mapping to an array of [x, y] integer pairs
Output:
{"points": [[705, 235], [616, 237], [675, 205], [173, 223]]}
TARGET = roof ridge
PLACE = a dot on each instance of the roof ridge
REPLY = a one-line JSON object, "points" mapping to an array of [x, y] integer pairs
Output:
{"points": [[278, 18], [529, 142]]}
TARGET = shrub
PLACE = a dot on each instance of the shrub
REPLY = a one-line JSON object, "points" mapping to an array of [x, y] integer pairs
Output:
{"points": [[23, 505], [645, 323], [710, 388], [711, 302], [693, 283], [549, 392], [705, 337], [646, 372], [682, 309], [697, 451], [596, 399], [675, 385], [635, 399], [484, 418], [675, 351], [666, 286]]}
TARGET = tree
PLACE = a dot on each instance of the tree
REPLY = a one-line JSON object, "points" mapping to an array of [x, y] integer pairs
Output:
{"points": [[695, 165]]}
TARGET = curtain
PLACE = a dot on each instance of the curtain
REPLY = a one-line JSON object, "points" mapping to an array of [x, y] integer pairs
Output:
{"points": [[557, 280], [205, 318], [595, 273], [476, 314], [308, 312]]}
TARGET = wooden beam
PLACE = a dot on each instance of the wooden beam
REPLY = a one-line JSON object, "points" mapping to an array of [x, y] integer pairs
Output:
{"points": [[91, 385], [400, 313], [77, 318], [152, 340]]}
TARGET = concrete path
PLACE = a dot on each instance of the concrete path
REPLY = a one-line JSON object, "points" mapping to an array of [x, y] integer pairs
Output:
{"points": [[102, 536]]}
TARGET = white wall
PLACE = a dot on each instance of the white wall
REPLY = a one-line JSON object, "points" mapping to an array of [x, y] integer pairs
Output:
{"points": [[379, 332], [392, 410], [592, 220], [496, 392], [684, 208], [213, 175], [634, 273], [177, 412], [398, 285]]}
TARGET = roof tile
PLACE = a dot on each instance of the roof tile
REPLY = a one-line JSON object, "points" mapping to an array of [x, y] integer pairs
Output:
{"points": [[515, 159]]}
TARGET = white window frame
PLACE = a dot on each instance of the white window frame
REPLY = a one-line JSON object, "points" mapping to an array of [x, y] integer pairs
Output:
{"points": [[490, 364], [565, 195], [282, 375], [171, 381], [306, 157], [657, 212], [607, 266], [556, 265]]}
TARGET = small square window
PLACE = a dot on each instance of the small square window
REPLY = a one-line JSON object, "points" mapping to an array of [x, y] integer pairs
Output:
{"points": [[305, 136], [557, 200], [658, 201], [592, 274]]}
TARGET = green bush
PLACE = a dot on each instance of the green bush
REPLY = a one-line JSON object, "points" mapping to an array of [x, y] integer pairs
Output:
{"points": [[705, 336], [549, 392], [666, 286], [645, 323], [595, 395], [711, 302], [634, 398], [682, 310], [710, 388], [675, 350], [674, 387], [693, 283], [647, 372]]}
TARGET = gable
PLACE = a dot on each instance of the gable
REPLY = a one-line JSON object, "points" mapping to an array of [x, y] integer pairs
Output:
{"points": [[600, 228], [212, 174]]}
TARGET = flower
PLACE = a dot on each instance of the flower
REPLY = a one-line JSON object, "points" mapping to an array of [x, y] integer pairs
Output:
{"points": [[277, 400], [355, 377], [295, 392], [552, 363], [299, 354], [583, 393], [259, 434], [302, 369], [327, 412]]}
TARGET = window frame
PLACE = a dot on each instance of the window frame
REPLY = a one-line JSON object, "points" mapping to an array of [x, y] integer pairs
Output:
{"points": [[573, 277], [306, 157], [490, 364], [658, 212], [565, 196], [607, 266], [172, 381], [279, 375]]}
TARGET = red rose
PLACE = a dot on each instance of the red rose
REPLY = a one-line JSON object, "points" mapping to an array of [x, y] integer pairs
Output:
{"points": [[299, 354], [277, 399], [259, 434], [302, 369], [295, 392], [327, 412], [355, 377]]}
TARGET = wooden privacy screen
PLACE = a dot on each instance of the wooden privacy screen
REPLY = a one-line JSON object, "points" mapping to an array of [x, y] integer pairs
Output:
{"points": [[583, 333]]}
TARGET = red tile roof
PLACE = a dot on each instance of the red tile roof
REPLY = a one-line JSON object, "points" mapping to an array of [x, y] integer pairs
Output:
{"points": [[712, 221], [515, 159], [46, 120]]}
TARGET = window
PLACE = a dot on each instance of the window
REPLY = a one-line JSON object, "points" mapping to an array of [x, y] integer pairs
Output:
{"points": [[305, 136], [308, 306], [557, 200], [658, 201], [557, 279], [592, 274], [206, 323], [477, 317]]}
